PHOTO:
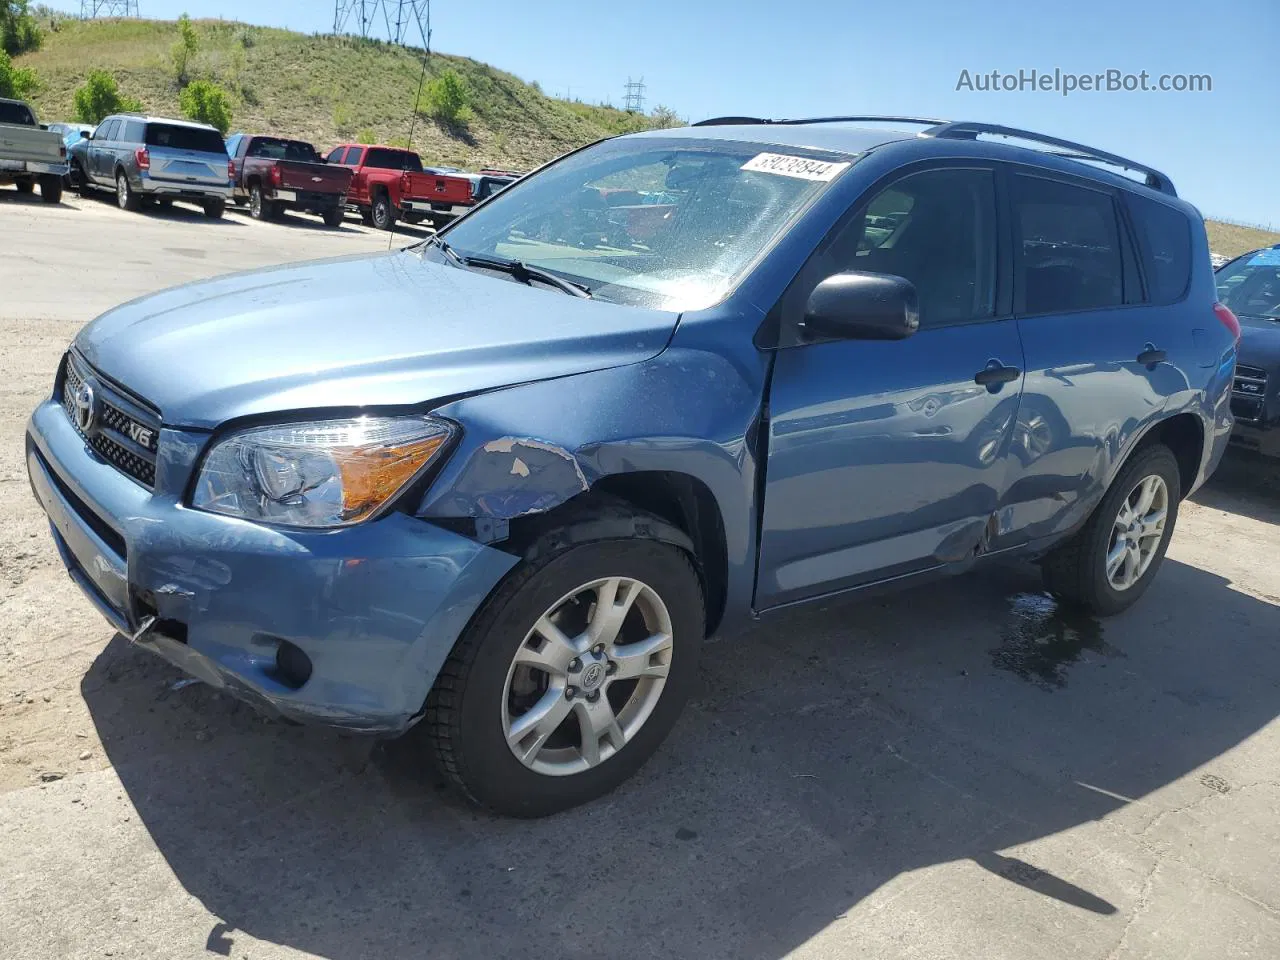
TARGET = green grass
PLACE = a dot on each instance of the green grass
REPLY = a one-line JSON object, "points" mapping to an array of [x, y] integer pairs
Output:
{"points": [[322, 89], [1231, 240]]}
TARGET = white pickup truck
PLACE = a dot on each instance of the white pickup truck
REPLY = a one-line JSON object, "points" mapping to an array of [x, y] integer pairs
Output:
{"points": [[30, 154]]}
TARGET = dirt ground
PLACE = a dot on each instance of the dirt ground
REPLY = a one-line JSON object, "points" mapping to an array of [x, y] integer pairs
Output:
{"points": [[960, 771]]}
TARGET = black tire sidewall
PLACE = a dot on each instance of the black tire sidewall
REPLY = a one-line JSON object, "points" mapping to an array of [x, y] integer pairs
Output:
{"points": [[1154, 460], [489, 770]]}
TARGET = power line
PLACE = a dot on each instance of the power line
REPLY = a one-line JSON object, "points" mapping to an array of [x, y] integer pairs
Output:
{"points": [[633, 102], [91, 9], [395, 20]]}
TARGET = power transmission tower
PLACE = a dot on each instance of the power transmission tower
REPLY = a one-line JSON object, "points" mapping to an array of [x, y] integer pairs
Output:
{"points": [[400, 21], [90, 9], [633, 102]]}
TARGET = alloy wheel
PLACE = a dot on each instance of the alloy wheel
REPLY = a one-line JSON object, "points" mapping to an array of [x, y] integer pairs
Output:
{"points": [[587, 676], [1137, 532], [122, 191]]}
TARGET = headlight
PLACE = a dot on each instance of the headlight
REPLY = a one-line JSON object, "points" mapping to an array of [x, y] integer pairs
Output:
{"points": [[324, 474]]}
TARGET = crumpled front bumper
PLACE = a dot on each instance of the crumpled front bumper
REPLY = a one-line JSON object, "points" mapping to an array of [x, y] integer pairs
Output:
{"points": [[375, 607]]}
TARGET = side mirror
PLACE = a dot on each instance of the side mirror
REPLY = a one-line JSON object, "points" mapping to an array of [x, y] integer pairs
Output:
{"points": [[84, 134], [862, 306]]}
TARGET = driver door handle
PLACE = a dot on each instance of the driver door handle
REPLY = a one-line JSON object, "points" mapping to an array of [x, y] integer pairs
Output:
{"points": [[1151, 356], [996, 373]]}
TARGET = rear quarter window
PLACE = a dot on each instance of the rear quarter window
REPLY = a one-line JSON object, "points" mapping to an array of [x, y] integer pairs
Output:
{"points": [[184, 138], [1164, 238]]}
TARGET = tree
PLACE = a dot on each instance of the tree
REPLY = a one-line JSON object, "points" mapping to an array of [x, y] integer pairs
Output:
{"points": [[206, 102], [99, 97], [16, 83], [184, 50], [447, 98], [663, 118], [18, 29]]}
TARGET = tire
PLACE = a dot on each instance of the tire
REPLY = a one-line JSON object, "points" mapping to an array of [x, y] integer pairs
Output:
{"points": [[24, 186], [260, 208], [126, 199], [81, 181], [334, 217], [366, 216], [384, 214], [469, 706], [51, 188], [1077, 572], [214, 208], [413, 219]]}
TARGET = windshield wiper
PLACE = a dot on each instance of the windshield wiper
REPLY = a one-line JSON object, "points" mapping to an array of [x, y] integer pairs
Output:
{"points": [[435, 240], [524, 273]]}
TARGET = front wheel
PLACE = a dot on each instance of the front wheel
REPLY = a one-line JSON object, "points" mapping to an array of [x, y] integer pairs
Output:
{"points": [[384, 214], [569, 677], [1111, 562]]}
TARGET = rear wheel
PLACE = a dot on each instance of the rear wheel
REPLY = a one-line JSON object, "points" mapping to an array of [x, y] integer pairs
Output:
{"points": [[214, 208], [384, 214], [414, 218], [51, 188], [569, 677], [1111, 562], [260, 208], [126, 199], [334, 217], [24, 186]]}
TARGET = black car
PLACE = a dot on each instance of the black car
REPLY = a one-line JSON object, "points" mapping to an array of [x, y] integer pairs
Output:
{"points": [[1250, 287]]}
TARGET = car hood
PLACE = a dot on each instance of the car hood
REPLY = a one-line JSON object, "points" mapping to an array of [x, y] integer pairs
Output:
{"points": [[383, 330], [1260, 343]]}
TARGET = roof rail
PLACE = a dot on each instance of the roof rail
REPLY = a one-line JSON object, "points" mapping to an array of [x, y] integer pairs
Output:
{"points": [[968, 130], [746, 121]]}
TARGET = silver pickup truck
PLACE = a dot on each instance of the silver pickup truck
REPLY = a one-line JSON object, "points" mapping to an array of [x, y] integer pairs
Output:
{"points": [[30, 154]]}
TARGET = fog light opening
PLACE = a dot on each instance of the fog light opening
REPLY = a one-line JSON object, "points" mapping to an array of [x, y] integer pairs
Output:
{"points": [[293, 666]]}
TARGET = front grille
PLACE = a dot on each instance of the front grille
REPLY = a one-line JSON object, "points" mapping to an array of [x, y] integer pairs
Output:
{"points": [[122, 432]]}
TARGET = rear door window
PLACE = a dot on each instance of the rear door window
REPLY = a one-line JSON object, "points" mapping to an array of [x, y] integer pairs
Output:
{"points": [[185, 138], [1068, 247], [1164, 237]]}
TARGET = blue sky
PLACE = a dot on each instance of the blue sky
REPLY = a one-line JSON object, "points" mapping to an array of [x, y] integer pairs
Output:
{"points": [[708, 57]]}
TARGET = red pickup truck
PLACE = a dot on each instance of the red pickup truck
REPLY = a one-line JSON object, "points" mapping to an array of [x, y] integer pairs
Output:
{"points": [[388, 183], [273, 174]]}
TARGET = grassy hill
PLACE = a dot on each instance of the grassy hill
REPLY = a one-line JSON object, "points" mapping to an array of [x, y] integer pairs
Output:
{"points": [[1231, 240], [321, 88]]}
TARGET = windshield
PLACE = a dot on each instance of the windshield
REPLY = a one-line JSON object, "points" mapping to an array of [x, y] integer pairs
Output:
{"points": [[274, 148], [1250, 285], [672, 224]]}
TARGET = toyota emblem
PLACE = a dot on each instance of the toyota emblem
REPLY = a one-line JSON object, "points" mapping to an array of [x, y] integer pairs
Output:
{"points": [[86, 411]]}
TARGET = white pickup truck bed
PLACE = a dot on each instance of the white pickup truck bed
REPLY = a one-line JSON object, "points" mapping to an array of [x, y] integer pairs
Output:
{"points": [[29, 154]]}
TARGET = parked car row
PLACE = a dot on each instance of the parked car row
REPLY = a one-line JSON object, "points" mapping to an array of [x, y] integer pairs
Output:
{"points": [[149, 160]]}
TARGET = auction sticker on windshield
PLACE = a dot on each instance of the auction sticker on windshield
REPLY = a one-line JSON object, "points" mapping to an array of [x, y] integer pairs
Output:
{"points": [[800, 167]]}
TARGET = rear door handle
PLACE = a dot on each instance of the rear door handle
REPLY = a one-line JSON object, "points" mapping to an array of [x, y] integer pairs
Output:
{"points": [[1151, 356], [995, 373]]}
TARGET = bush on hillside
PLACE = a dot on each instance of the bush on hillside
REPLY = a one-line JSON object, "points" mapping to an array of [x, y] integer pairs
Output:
{"points": [[16, 83], [19, 32], [206, 102], [447, 98], [367, 135], [99, 97], [184, 50]]}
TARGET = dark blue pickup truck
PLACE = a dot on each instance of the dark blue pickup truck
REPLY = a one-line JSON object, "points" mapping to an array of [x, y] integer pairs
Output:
{"points": [[497, 487]]}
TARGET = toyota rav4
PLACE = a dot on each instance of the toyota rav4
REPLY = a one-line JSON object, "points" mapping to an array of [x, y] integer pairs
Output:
{"points": [[669, 383]]}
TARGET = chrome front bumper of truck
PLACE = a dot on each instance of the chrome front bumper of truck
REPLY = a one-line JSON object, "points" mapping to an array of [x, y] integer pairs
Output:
{"points": [[373, 609]]}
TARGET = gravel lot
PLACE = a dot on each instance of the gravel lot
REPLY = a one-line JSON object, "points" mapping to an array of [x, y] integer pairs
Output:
{"points": [[961, 771]]}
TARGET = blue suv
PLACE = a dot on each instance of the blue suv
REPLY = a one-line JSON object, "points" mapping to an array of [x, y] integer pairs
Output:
{"points": [[497, 487]]}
